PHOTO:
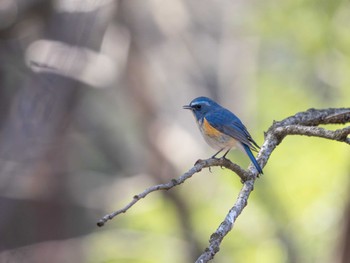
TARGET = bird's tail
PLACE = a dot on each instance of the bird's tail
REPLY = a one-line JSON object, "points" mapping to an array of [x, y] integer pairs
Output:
{"points": [[252, 158]]}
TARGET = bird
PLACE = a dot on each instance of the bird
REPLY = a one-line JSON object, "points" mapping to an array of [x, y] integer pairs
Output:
{"points": [[222, 129]]}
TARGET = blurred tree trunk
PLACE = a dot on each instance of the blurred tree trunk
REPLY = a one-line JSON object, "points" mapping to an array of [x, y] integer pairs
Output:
{"points": [[158, 165], [33, 160], [140, 92]]}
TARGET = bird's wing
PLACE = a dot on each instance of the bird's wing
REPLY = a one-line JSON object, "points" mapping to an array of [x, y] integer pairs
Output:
{"points": [[226, 122]]}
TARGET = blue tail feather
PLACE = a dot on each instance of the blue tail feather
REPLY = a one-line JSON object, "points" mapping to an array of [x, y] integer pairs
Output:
{"points": [[252, 158]]}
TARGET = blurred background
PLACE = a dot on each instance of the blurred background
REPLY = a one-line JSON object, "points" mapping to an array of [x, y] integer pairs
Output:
{"points": [[91, 96]]}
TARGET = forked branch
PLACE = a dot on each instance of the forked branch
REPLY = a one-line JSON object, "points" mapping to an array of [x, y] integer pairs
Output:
{"points": [[303, 123]]}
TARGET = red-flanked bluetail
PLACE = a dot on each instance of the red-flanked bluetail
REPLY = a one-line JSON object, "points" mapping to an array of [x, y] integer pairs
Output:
{"points": [[222, 129]]}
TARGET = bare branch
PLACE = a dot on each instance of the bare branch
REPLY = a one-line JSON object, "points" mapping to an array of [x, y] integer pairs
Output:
{"points": [[293, 125], [227, 224], [199, 165], [337, 135], [303, 123]]}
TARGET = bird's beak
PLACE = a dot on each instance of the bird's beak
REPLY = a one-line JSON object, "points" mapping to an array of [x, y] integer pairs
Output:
{"points": [[187, 107]]}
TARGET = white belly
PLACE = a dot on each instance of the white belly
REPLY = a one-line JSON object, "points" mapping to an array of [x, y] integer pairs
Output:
{"points": [[225, 142]]}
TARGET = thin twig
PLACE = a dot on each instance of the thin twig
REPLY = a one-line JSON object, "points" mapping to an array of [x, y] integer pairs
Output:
{"points": [[200, 164]]}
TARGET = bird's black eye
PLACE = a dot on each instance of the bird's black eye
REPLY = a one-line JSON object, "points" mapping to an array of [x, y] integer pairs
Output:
{"points": [[197, 107]]}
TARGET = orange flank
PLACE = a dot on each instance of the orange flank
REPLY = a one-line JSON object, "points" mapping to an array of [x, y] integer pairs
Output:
{"points": [[210, 130]]}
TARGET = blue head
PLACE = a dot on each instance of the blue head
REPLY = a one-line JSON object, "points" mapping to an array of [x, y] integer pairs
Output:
{"points": [[201, 106]]}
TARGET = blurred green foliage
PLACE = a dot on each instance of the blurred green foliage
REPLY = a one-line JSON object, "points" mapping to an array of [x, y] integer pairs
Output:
{"points": [[298, 58], [295, 213]]}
